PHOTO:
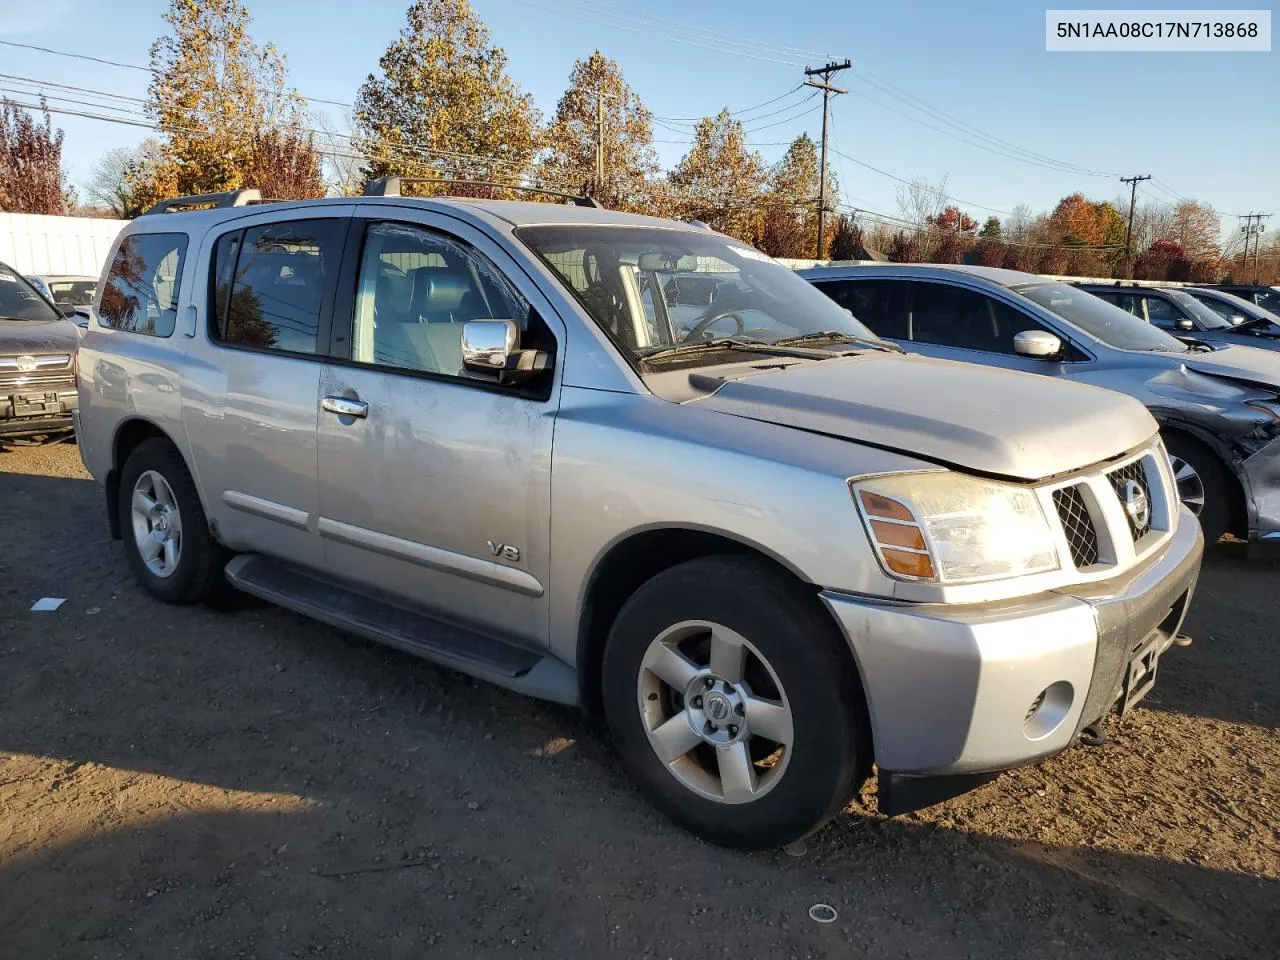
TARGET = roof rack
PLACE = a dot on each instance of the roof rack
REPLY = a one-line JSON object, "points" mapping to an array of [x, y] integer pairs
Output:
{"points": [[390, 187], [227, 198]]}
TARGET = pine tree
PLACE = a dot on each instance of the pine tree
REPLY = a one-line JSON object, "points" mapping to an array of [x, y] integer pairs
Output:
{"points": [[718, 181], [443, 105], [630, 162]]}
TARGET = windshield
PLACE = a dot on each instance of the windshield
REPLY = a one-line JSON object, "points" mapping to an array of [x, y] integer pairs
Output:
{"points": [[1205, 316], [20, 301], [1101, 320], [652, 288], [72, 293]]}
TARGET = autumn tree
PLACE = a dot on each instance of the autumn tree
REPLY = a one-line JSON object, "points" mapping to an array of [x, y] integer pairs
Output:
{"points": [[215, 97], [794, 186], [782, 233], [283, 164], [1163, 260], [952, 220], [443, 105], [569, 142], [1196, 228], [718, 181], [991, 230], [31, 176], [846, 239]]}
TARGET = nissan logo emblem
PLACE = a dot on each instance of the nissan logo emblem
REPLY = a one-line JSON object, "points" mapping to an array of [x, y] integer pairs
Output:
{"points": [[1136, 504]]}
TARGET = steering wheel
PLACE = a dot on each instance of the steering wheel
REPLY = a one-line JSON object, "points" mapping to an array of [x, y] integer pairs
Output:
{"points": [[702, 326]]}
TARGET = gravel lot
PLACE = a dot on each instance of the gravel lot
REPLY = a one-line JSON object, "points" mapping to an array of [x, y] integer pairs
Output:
{"points": [[244, 783]]}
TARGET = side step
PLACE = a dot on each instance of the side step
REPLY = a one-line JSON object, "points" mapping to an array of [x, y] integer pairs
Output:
{"points": [[532, 672]]}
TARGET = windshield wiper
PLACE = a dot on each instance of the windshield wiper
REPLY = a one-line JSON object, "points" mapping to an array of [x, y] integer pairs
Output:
{"points": [[834, 336], [735, 343]]}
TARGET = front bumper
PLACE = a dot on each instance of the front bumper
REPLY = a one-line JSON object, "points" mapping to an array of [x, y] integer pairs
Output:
{"points": [[30, 413], [950, 689]]}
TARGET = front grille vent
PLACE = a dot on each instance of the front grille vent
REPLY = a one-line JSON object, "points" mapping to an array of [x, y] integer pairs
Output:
{"points": [[1082, 538], [1134, 473]]}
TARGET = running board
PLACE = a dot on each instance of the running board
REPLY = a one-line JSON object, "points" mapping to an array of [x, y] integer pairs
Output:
{"points": [[531, 672]]}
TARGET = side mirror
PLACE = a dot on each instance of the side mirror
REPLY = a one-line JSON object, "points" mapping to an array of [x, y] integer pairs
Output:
{"points": [[493, 347], [1036, 343], [1237, 319], [67, 312], [1185, 324]]}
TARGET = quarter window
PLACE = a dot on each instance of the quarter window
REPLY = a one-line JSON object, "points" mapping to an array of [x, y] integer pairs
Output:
{"points": [[416, 290], [141, 292], [269, 284]]}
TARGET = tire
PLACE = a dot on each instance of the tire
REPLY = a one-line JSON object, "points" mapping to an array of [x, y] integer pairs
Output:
{"points": [[795, 662], [155, 470], [1202, 484]]}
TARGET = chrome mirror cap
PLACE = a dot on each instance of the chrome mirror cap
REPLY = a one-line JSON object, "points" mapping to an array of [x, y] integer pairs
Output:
{"points": [[489, 344], [1036, 343]]}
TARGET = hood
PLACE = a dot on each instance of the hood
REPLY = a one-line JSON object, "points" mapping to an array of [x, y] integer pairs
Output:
{"points": [[38, 336], [1239, 362], [991, 421]]}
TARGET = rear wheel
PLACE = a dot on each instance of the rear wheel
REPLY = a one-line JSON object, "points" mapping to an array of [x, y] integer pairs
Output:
{"points": [[1202, 484], [166, 536], [733, 702]]}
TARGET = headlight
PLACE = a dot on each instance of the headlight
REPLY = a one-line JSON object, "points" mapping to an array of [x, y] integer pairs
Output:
{"points": [[950, 528]]}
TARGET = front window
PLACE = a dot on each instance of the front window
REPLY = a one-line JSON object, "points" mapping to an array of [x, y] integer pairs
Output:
{"points": [[653, 288], [1204, 316], [1101, 320], [72, 293], [20, 301]]}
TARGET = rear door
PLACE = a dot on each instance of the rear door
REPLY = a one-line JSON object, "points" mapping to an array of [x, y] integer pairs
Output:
{"points": [[437, 490], [251, 405]]}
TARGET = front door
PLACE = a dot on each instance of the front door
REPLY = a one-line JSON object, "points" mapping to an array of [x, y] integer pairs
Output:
{"points": [[435, 484]]}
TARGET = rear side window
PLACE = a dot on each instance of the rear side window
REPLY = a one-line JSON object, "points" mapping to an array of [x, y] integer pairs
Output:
{"points": [[141, 292], [268, 284]]}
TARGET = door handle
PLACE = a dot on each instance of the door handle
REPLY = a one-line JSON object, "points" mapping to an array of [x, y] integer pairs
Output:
{"points": [[345, 407]]}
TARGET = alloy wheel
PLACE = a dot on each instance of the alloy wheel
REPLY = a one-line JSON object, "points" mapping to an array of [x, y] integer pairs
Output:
{"points": [[157, 524], [715, 712], [1189, 483]]}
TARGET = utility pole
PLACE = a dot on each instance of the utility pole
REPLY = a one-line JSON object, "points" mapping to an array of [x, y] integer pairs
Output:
{"points": [[825, 72], [600, 141], [1252, 230], [1133, 199]]}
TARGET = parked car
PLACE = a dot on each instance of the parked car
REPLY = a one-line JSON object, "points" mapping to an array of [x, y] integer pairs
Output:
{"points": [[1182, 315], [1244, 315], [1263, 296], [1218, 408], [771, 551], [66, 290], [37, 361]]}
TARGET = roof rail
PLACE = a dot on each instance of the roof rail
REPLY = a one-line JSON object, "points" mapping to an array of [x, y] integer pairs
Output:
{"points": [[390, 187], [227, 198]]}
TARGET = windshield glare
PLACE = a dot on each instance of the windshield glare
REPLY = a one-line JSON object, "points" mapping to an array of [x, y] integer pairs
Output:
{"points": [[1101, 320], [20, 301], [1203, 314], [650, 288]]}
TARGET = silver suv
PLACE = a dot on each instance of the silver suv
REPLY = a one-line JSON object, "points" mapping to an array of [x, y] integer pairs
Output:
{"points": [[769, 548]]}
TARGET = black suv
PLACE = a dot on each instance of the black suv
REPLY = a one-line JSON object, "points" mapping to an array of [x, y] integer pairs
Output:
{"points": [[1266, 297], [37, 360], [1182, 315]]}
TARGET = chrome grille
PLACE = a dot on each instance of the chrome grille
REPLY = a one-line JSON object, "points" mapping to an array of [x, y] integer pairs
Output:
{"points": [[1082, 538], [1136, 473]]}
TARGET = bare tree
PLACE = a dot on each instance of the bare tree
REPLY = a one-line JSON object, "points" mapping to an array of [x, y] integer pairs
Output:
{"points": [[343, 176], [919, 200], [109, 184], [1018, 224]]}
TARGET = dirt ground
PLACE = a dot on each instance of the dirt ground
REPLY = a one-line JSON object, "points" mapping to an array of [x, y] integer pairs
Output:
{"points": [[191, 783]]}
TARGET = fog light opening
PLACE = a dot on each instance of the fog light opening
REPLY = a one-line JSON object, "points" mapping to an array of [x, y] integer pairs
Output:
{"points": [[1048, 710]]}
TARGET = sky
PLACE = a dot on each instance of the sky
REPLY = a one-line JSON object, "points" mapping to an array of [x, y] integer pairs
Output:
{"points": [[1205, 125]]}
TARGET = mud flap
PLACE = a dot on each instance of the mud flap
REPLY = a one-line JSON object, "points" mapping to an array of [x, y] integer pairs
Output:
{"points": [[898, 793]]}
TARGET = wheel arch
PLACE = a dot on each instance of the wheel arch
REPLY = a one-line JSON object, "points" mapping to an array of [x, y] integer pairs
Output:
{"points": [[129, 435], [1239, 515], [637, 557]]}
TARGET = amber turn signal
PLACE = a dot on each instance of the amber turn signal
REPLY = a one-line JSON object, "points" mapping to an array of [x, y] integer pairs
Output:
{"points": [[908, 564]]}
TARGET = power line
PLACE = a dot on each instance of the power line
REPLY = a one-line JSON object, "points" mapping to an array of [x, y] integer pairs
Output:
{"points": [[735, 113], [945, 196]]}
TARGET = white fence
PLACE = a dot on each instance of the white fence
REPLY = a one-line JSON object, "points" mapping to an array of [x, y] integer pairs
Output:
{"points": [[34, 244]]}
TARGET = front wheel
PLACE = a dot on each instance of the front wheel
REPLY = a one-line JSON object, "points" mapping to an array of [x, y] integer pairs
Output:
{"points": [[734, 703], [1202, 484]]}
